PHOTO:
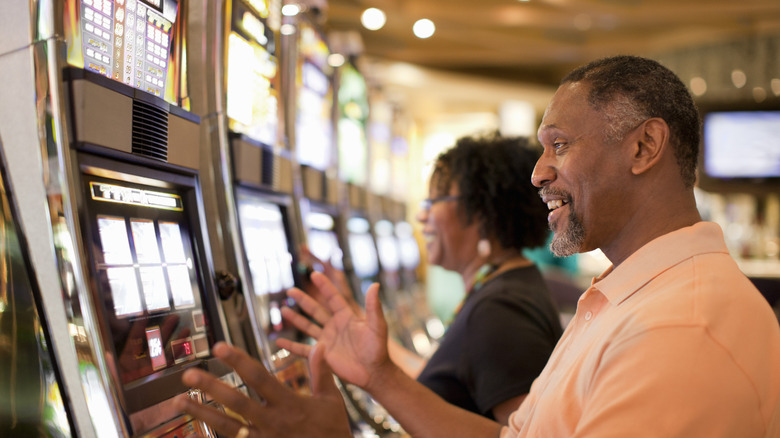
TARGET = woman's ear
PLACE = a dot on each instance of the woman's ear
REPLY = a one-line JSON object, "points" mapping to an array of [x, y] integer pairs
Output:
{"points": [[651, 145]]}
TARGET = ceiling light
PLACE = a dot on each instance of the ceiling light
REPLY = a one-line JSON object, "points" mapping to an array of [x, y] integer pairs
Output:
{"points": [[775, 83], [287, 29], [738, 78], [759, 94], [698, 86], [336, 60], [424, 28], [290, 10], [373, 19]]}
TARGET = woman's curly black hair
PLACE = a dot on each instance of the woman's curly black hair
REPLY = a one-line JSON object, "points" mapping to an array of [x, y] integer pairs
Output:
{"points": [[493, 175]]}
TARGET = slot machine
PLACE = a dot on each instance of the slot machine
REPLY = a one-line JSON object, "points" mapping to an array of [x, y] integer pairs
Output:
{"points": [[422, 329], [362, 257], [236, 77], [362, 263], [320, 195], [103, 145]]}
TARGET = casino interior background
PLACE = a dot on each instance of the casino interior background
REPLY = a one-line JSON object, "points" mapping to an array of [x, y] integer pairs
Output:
{"points": [[148, 146]]}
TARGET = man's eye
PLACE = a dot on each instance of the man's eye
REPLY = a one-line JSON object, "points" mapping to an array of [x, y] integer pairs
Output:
{"points": [[558, 146]]}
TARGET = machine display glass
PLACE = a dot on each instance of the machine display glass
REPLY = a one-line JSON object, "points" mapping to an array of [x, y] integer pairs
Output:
{"points": [[353, 117], [322, 239], [314, 115], [146, 277], [252, 77], [409, 249], [361, 248], [265, 244], [136, 42], [387, 245], [742, 144]]}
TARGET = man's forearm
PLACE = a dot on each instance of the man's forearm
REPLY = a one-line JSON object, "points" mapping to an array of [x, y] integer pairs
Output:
{"points": [[421, 412]]}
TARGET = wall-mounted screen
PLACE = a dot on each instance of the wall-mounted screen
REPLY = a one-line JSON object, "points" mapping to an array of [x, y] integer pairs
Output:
{"points": [[742, 144], [136, 42]]}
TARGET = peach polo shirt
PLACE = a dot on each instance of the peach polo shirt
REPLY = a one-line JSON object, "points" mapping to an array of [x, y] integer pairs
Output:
{"points": [[674, 342]]}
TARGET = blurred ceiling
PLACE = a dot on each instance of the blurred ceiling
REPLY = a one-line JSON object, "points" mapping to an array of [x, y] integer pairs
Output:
{"points": [[538, 41]]}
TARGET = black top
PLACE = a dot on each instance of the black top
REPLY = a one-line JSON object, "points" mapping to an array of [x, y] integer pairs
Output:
{"points": [[498, 343]]}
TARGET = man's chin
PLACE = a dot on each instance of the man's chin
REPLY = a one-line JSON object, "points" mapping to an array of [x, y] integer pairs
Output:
{"points": [[563, 246]]}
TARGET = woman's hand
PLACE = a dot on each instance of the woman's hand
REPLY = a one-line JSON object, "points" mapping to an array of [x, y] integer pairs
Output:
{"points": [[284, 413]]}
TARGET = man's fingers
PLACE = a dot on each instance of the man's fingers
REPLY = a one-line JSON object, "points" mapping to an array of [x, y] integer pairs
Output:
{"points": [[295, 348], [310, 305], [251, 371], [222, 423], [221, 392]]}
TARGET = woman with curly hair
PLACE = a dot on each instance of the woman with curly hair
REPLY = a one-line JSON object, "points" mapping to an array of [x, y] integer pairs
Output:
{"points": [[481, 213]]}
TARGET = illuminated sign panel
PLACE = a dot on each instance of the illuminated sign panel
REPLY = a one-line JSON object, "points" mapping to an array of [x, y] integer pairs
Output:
{"points": [[127, 195]]}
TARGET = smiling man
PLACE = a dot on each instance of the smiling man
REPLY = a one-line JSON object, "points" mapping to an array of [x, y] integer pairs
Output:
{"points": [[671, 341]]}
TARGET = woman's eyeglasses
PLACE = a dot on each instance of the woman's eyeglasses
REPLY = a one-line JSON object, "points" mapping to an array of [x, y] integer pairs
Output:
{"points": [[427, 203]]}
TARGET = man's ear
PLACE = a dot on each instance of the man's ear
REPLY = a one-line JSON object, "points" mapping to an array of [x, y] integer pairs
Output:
{"points": [[650, 146]]}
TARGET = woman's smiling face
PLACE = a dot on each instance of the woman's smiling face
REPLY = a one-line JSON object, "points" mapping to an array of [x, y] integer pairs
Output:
{"points": [[450, 242]]}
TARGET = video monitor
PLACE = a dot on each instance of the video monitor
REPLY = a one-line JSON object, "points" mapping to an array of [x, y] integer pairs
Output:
{"points": [[362, 250], [742, 144], [409, 249], [353, 117], [322, 239], [265, 244], [314, 135], [136, 42], [314, 123], [148, 285], [387, 245], [252, 77]]}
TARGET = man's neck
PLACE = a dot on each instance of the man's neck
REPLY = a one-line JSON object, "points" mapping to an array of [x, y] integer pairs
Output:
{"points": [[654, 220]]}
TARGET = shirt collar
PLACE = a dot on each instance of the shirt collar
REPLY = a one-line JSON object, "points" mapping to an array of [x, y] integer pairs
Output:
{"points": [[656, 257]]}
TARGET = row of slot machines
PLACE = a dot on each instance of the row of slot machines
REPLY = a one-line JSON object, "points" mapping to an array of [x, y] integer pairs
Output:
{"points": [[162, 161]]}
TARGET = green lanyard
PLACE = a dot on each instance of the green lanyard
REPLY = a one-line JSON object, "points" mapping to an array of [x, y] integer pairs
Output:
{"points": [[479, 279]]}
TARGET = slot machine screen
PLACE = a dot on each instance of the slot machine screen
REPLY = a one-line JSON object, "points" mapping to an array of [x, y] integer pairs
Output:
{"points": [[409, 250], [147, 281], [353, 117], [265, 244], [136, 42], [314, 114], [252, 68], [361, 248], [387, 245], [322, 239], [742, 144]]}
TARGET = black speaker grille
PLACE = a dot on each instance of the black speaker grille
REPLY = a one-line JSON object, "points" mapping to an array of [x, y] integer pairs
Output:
{"points": [[150, 131], [268, 168]]}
